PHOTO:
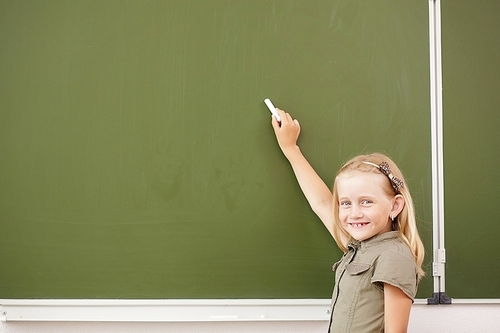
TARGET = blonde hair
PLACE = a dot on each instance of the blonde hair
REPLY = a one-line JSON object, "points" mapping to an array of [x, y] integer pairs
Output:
{"points": [[405, 223]]}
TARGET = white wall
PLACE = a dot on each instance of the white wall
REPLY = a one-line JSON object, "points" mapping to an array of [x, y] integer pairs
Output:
{"points": [[455, 318]]}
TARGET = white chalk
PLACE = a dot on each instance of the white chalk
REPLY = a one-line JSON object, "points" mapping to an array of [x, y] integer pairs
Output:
{"points": [[271, 108]]}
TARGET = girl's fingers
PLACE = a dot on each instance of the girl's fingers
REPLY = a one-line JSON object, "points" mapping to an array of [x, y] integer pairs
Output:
{"points": [[285, 117]]}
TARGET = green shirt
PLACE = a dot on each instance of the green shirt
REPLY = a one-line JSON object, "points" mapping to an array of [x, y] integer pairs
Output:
{"points": [[358, 295]]}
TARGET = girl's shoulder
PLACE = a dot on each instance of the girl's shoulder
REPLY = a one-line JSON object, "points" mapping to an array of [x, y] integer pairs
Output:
{"points": [[396, 266], [386, 244], [397, 245], [397, 253]]}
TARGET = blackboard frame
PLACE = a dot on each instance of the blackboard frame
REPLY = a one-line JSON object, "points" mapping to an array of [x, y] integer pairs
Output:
{"points": [[439, 233]]}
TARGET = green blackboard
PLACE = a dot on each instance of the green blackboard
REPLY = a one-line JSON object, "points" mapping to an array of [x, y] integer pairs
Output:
{"points": [[137, 156], [471, 79]]}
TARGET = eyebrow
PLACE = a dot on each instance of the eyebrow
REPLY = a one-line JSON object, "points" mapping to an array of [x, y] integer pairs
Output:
{"points": [[361, 197]]}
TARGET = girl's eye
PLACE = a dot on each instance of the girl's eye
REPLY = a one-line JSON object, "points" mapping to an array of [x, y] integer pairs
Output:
{"points": [[366, 202], [345, 203]]}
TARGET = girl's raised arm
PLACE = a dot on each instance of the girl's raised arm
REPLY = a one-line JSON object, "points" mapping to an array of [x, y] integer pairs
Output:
{"points": [[314, 188]]}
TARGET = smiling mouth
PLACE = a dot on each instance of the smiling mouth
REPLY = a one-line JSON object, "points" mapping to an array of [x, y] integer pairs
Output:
{"points": [[358, 225]]}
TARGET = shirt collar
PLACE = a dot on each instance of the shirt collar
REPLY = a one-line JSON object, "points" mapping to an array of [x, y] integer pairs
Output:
{"points": [[375, 240]]}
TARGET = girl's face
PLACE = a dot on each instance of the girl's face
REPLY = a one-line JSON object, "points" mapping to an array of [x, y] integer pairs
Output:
{"points": [[364, 206]]}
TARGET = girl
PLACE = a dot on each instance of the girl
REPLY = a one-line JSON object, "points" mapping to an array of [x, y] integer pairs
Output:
{"points": [[370, 215]]}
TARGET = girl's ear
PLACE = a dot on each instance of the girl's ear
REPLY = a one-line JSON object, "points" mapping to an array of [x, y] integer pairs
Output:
{"points": [[398, 203]]}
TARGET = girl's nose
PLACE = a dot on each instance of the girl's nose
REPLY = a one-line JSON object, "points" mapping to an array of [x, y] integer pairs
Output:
{"points": [[356, 212]]}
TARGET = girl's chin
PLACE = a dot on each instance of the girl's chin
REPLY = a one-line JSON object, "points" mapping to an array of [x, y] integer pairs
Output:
{"points": [[360, 232]]}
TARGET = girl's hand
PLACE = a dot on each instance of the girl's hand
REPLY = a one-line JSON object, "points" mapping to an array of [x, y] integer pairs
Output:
{"points": [[287, 132]]}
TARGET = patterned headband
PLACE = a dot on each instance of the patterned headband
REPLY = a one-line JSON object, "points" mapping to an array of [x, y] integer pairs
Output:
{"points": [[396, 183]]}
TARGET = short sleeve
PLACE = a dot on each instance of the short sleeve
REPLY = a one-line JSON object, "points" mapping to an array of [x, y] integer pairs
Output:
{"points": [[398, 269]]}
